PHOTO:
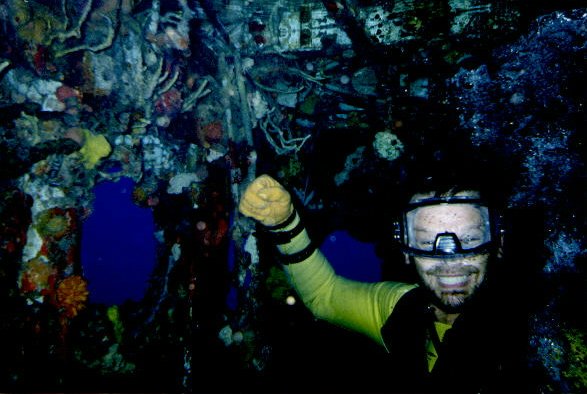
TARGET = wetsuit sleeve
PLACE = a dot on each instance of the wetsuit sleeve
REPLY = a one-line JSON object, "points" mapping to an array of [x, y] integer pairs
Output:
{"points": [[359, 306]]}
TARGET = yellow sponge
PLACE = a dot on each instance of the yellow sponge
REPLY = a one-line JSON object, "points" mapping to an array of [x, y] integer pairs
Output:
{"points": [[95, 148]]}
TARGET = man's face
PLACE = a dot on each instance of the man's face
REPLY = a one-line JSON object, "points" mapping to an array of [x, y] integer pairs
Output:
{"points": [[452, 280]]}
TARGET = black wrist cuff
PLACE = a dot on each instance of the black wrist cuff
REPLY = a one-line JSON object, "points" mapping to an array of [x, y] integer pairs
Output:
{"points": [[283, 237], [287, 222], [297, 257]]}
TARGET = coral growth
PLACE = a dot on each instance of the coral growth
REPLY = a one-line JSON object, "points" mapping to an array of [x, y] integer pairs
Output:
{"points": [[387, 146], [72, 294], [210, 133], [169, 103], [38, 275], [54, 223]]}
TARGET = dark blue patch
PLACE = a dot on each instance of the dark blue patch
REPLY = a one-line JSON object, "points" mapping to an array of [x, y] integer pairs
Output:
{"points": [[232, 299], [351, 258], [118, 245], [112, 167]]}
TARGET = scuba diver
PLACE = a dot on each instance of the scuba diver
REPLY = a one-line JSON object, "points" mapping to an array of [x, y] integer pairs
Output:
{"points": [[459, 329]]}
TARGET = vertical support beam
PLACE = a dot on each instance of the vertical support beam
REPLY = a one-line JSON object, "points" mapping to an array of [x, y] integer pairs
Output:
{"points": [[244, 256]]}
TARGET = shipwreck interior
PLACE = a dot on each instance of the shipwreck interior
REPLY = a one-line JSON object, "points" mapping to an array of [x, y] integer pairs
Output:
{"points": [[130, 128]]}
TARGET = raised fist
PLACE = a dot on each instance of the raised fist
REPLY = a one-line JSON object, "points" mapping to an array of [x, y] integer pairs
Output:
{"points": [[266, 201]]}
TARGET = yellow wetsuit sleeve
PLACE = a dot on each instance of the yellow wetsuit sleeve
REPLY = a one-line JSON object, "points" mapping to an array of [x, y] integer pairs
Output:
{"points": [[359, 306]]}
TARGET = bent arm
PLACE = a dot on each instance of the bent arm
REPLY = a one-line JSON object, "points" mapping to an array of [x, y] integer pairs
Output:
{"points": [[359, 306], [363, 307]]}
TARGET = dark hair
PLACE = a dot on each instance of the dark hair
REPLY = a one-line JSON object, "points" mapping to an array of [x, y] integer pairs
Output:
{"points": [[451, 175]]}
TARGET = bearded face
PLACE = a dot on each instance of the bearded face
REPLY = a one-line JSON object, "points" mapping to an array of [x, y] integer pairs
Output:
{"points": [[453, 279]]}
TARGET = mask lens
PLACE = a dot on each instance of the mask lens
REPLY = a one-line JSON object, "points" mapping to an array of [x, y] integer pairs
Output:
{"points": [[430, 228]]}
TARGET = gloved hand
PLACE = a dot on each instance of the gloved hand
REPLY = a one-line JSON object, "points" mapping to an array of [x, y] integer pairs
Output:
{"points": [[266, 201]]}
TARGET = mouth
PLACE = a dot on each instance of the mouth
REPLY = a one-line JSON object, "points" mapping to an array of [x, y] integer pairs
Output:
{"points": [[452, 281]]}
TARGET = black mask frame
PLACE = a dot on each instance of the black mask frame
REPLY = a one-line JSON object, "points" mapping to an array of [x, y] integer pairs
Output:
{"points": [[447, 245]]}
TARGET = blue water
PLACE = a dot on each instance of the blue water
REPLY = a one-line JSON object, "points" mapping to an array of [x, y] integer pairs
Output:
{"points": [[117, 245], [351, 258]]}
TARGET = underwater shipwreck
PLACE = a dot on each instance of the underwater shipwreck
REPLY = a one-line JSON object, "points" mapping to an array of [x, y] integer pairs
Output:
{"points": [[129, 129]]}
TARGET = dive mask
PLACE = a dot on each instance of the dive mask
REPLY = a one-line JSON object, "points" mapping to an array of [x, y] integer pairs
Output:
{"points": [[479, 237]]}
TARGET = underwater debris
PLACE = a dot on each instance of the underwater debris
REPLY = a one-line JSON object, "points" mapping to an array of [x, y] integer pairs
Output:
{"points": [[191, 100], [279, 139]]}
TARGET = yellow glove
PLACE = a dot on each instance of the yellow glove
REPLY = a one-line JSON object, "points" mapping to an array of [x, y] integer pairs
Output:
{"points": [[266, 201]]}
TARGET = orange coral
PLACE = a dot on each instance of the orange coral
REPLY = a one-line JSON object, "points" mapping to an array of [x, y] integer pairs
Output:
{"points": [[72, 295]]}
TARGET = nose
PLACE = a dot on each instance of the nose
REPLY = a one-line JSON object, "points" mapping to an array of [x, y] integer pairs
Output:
{"points": [[446, 244]]}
